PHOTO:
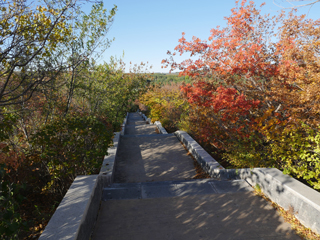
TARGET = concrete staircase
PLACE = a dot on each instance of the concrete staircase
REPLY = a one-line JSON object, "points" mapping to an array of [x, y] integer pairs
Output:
{"points": [[154, 196], [146, 190]]}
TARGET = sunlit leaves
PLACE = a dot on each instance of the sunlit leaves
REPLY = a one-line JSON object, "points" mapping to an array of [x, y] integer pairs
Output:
{"points": [[256, 83]]}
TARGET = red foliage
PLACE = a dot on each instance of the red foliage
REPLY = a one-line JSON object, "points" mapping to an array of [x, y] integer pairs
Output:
{"points": [[225, 100], [239, 49]]}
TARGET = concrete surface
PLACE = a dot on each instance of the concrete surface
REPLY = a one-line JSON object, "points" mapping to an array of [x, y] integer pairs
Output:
{"points": [[286, 191], [172, 189], [207, 162], [161, 129], [150, 198], [135, 118], [239, 215], [123, 125], [144, 117], [152, 158], [76, 214], [282, 189], [137, 125], [140, 129], [108, 166]]}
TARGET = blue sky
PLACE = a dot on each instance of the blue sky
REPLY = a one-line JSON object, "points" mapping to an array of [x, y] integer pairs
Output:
{"points": [[146, 29]]}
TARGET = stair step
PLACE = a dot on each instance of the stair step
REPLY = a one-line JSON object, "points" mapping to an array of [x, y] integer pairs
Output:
{"points": [[146, 190], [147, 135], [133, 123]]}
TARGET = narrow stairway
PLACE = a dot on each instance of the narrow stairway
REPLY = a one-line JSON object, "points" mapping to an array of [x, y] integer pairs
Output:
{"points": [[154, 196]]}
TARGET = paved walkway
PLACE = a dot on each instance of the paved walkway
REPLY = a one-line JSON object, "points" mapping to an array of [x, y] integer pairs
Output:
{"points": [[154, 196]]}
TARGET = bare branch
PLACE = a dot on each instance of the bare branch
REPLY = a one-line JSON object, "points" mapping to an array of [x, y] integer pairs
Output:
{"points": [[297, 6]]}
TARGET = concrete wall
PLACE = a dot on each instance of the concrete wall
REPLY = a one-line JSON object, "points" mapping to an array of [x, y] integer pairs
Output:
{"points": [[108, 166], [124, 124], [289, 193], [207, 162], [160, 128], [76, 214], [148, 120]]}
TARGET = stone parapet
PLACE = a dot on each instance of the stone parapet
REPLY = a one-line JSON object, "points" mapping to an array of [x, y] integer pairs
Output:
{"points": [[76, 214], [160, 128], [107, 169], [208, 163], [287, 192]]}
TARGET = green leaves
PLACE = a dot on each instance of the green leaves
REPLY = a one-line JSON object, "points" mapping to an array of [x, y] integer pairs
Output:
{"points": [[166, 104], [10, 198], [71, 146]]}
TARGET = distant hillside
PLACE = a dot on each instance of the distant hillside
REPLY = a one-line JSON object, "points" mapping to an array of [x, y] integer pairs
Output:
{"points": [[163, 78]]}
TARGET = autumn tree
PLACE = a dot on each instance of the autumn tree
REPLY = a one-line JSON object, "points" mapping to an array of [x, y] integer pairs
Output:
{"points": [[28, 37], [37, 147], [166, 105], [88, 40], [256, 80]]}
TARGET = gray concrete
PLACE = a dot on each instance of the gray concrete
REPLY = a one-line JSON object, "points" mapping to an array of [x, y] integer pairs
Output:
{"points": [[152, 158], [239, 215], [135, 118], [160, 128], [76, 214], [172, 189], [284, 190], [207, 162], [108, 166], [143, 116], [146, 119], [193, 209], [150, 198], [149, 121], [140, 129], [124, 124]]}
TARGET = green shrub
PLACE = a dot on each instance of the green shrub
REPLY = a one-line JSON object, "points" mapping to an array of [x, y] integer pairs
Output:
{"points": [[297, 149], [10, 199], [67, 147]]}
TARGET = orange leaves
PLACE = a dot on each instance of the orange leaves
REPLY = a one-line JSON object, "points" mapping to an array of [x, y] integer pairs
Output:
{"points": [[280, 70], [11, 157], [241, 48], [251, 80], [228, 107]]}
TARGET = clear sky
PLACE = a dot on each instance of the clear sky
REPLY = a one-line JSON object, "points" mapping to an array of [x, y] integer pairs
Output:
{"points": [[146, 29]]}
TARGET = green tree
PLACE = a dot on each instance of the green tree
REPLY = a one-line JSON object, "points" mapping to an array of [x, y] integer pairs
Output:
{"points": [[87, 42], [27, 38]]}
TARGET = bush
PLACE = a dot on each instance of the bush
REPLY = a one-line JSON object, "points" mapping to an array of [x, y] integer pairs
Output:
{"points": [[65, 148], [166, 104], [10, 199], [297, 149]]}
